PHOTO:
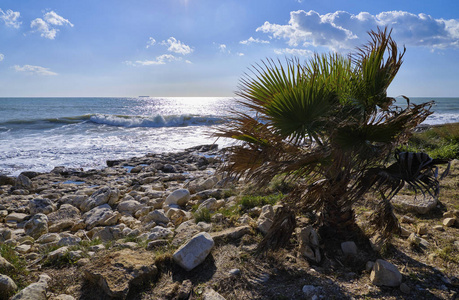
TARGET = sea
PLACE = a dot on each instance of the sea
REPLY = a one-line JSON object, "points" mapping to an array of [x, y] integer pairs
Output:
{"points": [[38, 134]]}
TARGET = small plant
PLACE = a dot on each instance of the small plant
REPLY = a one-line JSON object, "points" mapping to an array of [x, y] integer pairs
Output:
{"points": [[202, 215], [448, 253], [251, 201], [19, 274]]}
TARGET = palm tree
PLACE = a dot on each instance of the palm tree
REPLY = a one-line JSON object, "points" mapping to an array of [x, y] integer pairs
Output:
{"points": [[329, 125]]}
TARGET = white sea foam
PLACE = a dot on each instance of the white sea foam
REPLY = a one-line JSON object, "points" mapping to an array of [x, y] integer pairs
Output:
{"points": [[155, 121], [438, 118]]}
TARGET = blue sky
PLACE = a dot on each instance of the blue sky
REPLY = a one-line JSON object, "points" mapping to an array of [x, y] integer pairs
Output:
{"points": [[65, 48]]}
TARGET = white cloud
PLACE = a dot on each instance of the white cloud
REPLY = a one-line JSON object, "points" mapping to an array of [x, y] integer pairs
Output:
{"points": [[223, 49], [35, 70], [41, 26], [177, 46], [160, 60], [240, 54], [343, 30], [296, 52], [2, 57], [10, 18], [151, 42], [252, 40], [45, 25]]}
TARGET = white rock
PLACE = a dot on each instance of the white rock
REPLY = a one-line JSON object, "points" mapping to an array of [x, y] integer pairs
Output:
{"points": [[157, 216], [159, 233], [385, 273], [194, 252], [265, 221], [35, 291], [178, 197], [129, 207], [36, 226], [15, 217], [449, 222], [211, 294], [100, 216], [102, 196]]}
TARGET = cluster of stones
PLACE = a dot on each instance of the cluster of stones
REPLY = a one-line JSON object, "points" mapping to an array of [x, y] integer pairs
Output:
{"points": [[148, 199]]}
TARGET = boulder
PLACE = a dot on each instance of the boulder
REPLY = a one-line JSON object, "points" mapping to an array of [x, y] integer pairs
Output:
{"points": [[230, 234], [211, 294], [101, 196], [178, 197], [349, 248], [5, 265], [15, 217], [211, 204], [7, 286], [100, 216], [36, 226], [157, 216], [116, 272], [385, 274], [129, 207], [309, 243], [23, 182], [449, 222], [35, 291], [109, 233], [420, 205], [194, 252], [159, 233], [184, 232], [265, 220], [65, 217], [41, 205]]}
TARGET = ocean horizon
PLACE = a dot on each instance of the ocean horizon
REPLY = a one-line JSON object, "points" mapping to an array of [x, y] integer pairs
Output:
{"points": [[38, 134]]}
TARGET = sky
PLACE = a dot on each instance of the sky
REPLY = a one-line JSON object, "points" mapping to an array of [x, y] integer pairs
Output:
{"points": [[120, 48]]}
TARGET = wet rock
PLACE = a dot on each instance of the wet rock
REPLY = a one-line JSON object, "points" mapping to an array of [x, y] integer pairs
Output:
{"points": [[7, 180], [194, 252], [385, 274], [118, 271], [41, 205], [36, 226], [35, 291]]}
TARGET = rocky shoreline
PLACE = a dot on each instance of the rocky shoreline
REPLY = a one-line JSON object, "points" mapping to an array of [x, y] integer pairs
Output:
{"points": [[113, 227]]}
